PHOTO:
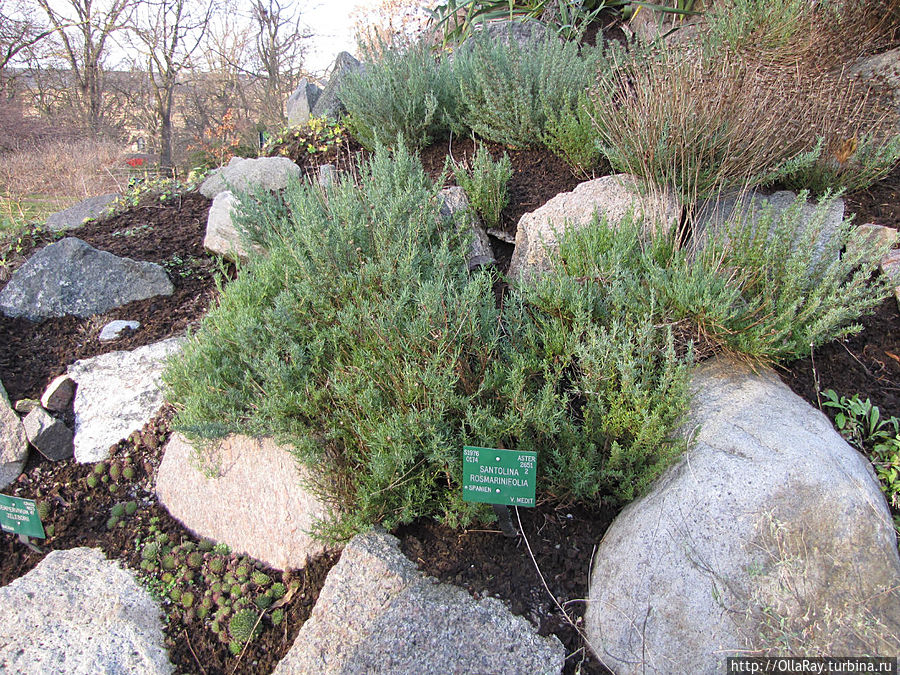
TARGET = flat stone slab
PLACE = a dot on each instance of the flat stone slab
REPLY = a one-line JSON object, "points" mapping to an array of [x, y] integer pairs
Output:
{"points": [[245, 175], [114, 329], [117, 393], [80, 614], [13, 442], [74, 216], [72, 277], [378, 614], [245, 492]]}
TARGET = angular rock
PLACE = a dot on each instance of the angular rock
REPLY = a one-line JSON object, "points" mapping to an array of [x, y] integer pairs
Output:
{"points": [[769, 528], [58, 394], [74, 216], [72, 277], [378, 614], [50, 436], [453, 202], [714, 215], [301, 102], [890, 267], [13, 442], [245, 492], [79, 613], [114, 329], [26, 405], [222, 236], [538, 232], [117, 394], [876, 234], [881, 71], [326, 175], [525, 34], [329, 102], [246, 175]]}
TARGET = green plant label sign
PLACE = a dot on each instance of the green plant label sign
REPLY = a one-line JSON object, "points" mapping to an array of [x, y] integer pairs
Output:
{"points": [[503, 477], [20, 516]]}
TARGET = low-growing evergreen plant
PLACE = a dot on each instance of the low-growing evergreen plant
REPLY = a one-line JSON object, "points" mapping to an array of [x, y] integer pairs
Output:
{"points": [[485, 184]]}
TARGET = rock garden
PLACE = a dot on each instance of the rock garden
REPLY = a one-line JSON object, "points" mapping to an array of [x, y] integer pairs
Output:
{"points": [[663, 261]]}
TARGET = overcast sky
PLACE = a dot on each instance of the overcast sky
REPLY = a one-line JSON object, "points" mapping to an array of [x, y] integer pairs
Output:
{"points": [[331, 22]]}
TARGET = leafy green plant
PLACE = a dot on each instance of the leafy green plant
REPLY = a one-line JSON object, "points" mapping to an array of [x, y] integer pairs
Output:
{"points": [[569, 134], [485, 184], [319, 136], [403, 94], [507, 91]]}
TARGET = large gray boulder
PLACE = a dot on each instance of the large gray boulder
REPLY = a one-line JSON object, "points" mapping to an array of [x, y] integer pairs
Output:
{"points": [[881, 71], [716, 216], [80, 614], [118, 393], [299, 106], [72, 277], [770, 533], [13, 442], [245, 492], [247, 175], [74, 216], [378, 614], [329, 102], [222, 235], [539, 232]]}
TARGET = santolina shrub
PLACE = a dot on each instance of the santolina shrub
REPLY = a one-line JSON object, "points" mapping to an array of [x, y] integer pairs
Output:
{"points": [[360, 339]]}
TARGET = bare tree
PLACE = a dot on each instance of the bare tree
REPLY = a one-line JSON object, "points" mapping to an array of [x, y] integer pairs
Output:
{"points": [[168, 33], [20, 30], [84, 28]]}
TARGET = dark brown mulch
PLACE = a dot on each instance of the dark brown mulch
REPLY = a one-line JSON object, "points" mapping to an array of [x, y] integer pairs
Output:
{"points": [[170, 234]]}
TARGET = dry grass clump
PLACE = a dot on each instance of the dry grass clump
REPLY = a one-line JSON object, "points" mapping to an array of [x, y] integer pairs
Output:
{"points": [[751, 103], [71, 168]]}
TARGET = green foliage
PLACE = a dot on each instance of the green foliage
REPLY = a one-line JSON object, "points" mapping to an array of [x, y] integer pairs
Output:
{"points": [[243, 626], [861, 424], [485, 184], [767, 26], [854, 165], [507, 91], [569, 134], [361, 339], [402, 94], [318, 136]]}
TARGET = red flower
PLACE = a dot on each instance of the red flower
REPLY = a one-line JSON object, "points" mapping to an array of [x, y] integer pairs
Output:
{"points": [[135, 161]]}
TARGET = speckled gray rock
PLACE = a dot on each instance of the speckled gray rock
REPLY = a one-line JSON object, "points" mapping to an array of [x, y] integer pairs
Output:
{"points": [[245, 492], [114, 329], [222, 236], [13, 443], [51, 437], [881, 71], [538, 232], [771, 527], [74, 216], [525, 34], [715, 216], [80, 614], [58, 394], [246, 175], [72, 277], [455, 204], [301, 102], [378, 614], [329, 102], [117, 393]]}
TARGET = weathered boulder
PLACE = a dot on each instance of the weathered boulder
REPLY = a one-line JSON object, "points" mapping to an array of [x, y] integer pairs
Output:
{"points": [[246, 175], [612, 197], [455, 205], [525, 34], [378, 614], [114, 329], [58, 394], [72, 277], [881, 71], [329, 102], [13, 442], [50, 436], [117, 393], [74, 216], [716, 216], [245, 492], [299, 106], [80, 614], [222, 236], [770, 532]]}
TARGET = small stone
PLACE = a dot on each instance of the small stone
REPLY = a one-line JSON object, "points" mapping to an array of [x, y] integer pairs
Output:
{"points": [[13, 442], [114, 329], [26, 405], [59, 394], [326, 175], [50, 436]]}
